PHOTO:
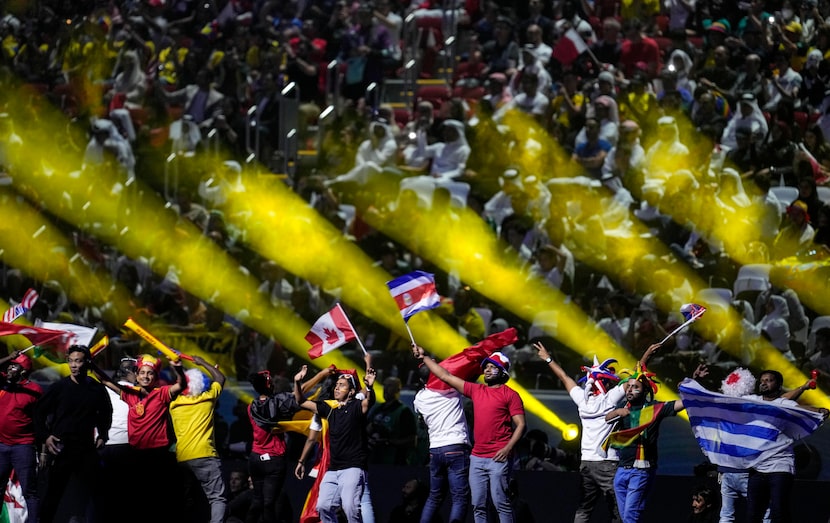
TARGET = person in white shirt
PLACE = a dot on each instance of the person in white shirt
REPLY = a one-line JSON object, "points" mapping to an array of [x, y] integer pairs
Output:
{"points": [[375, 153], [597, 396], [539, 48], [449, 158]]}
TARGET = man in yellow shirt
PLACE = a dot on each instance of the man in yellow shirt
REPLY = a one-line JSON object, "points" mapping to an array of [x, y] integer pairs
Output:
{"points": [[193, 413]]}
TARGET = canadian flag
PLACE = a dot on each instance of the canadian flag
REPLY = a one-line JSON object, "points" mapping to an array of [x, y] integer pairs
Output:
{"points": [[332, 330]]}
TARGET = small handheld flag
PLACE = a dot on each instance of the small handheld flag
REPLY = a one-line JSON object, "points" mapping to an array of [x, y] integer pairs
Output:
{"points": [[19, 310], [413, 293], [690, 311], [332, 330]]}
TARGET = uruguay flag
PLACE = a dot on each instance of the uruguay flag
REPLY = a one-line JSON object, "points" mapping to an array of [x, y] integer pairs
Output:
{"points": [[741, 432], [414, 292]]}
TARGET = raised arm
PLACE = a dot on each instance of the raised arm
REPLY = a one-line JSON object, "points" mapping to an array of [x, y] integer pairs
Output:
{"points": [[318, 378], [440, 372], [543, 354], [648, 354], [298, 391], [214, 372], [181, 380], [368, 381], [103, 378]]}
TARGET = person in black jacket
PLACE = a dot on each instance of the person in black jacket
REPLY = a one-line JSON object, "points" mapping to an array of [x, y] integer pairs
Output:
{"points": [[66, 420]]}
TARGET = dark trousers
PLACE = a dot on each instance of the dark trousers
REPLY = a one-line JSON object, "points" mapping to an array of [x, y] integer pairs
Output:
{"points": [[771, 489], [268, 478]]}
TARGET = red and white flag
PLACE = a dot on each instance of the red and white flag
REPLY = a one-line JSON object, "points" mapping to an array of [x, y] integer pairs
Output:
{"points": [[569, 47], [332, 330], [37, 336], [19, 310]]}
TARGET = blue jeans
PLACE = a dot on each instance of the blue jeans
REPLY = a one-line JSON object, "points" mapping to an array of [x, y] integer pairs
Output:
{"points": [[21, 458], [632, 487], [341, 488], [448, 466], [732, 490], [771, 489], [367, 510], [488, 476]]}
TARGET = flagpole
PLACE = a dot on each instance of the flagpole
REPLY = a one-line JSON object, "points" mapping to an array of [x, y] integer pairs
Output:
{"points": [[411, 337], [356, 335], [687, 322]]}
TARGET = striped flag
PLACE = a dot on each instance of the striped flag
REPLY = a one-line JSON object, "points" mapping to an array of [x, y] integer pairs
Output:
{"points": [[19, 310], [641, 419], [741, 432], [414, 292], [569, 47], [332, 330]]}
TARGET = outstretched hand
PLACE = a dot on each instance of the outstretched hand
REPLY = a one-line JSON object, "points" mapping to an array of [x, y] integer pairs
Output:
{"points": [[301, 373], [701, 371]]}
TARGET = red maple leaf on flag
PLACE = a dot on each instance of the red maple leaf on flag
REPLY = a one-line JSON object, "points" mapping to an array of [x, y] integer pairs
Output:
{"points": [[331, 336]]}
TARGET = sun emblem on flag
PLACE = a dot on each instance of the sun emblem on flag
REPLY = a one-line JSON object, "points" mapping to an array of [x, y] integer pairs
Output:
{"points": [[407, 299]]}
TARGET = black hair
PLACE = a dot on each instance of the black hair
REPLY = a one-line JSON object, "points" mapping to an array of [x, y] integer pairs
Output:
{"points": [[779, 378], [79, 348]]}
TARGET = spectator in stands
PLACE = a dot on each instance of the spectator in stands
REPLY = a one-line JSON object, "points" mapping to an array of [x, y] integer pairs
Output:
{"points": [[591, 153], [535, 42], [391, 428], [608, 49], [200, 99], [537, 18], [376, 153], [529, 63], [667, 154], [498, 93], [414, 494], [529, 101], [626, 160], [501, 53], [795, 234], [784, 84], [389, 18], [240, 496], [446, 159], [749, 117], [638, 49], [364, 49]]}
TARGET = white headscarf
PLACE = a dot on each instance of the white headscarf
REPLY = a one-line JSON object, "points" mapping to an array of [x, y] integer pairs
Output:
{"points": [[756, 122]]}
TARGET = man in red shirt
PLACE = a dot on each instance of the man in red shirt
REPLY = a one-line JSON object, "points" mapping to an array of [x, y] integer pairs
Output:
{"points": [[499, 424], [148, 420], [17, 432], [639, 51]]}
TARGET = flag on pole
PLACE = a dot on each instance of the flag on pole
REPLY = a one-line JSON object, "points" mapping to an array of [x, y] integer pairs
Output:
{"points": [[332, 330], [37, 336], [691, 312], [20, 309], [740, 432], [569, 47], [414, 292], [78, 334]]}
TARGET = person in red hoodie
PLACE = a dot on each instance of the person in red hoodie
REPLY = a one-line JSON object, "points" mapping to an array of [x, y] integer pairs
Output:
{"points": [[17, 432]]}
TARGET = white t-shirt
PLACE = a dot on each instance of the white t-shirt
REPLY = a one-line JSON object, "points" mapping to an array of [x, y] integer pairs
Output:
{"points": [[117, 434], [443, 413], [779, 460], [592, 410]]}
